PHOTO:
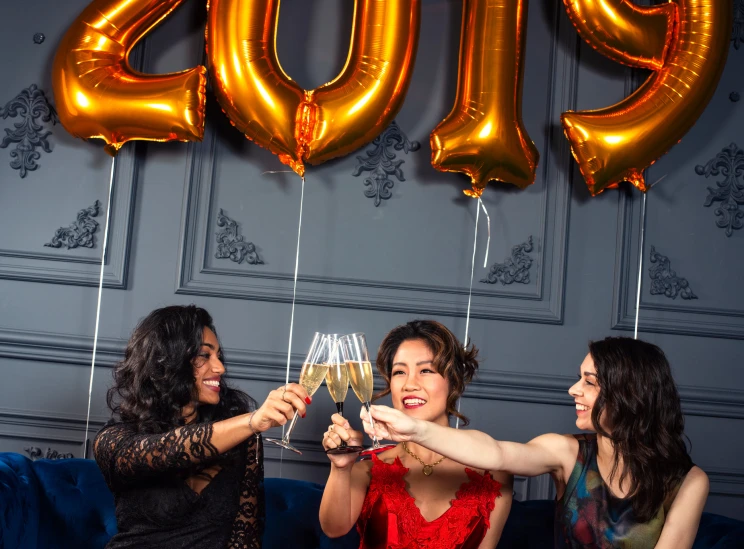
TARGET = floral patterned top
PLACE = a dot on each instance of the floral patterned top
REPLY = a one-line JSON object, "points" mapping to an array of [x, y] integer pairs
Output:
{"points": [[589, 516], [156, 508], [390, 518]]}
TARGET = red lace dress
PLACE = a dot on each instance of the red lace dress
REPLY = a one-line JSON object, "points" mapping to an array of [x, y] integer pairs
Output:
{"points": [[391, 520]]}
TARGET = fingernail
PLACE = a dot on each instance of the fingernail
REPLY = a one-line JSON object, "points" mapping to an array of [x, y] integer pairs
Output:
{"points": [[308, 400], [303, 416], [347, 426]]}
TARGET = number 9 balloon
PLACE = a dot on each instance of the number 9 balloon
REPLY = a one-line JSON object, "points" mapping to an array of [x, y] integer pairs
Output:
{"points": [[685, 42]]}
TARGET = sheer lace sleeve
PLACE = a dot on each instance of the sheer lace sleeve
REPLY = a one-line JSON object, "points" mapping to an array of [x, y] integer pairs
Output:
{"points": [[247, 528], [124, 455]]}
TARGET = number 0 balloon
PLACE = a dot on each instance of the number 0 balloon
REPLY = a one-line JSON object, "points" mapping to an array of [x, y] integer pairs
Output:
{"points": [[311, 125]]}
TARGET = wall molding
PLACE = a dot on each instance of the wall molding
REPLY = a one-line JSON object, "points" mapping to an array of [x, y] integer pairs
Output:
{"points": [[32, 105], [382, 161], [69, 268], [681, 318], [515, 386], [541, 301]]}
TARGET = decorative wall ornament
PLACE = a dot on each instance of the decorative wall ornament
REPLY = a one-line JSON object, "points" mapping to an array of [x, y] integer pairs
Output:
{"points": [[515, 269], [730, 192], [381, 161], [230, 244], [734, 96], [39, 38], [664, 281], [31, 104], [35, 453], [80, 233], [737, 36]]}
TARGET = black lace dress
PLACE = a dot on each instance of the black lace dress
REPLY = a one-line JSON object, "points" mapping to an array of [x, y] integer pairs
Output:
{"points": [[155, 507]]}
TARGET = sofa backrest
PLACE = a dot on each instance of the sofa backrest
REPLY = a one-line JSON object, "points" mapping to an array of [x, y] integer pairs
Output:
{"points": [[62, 504]]}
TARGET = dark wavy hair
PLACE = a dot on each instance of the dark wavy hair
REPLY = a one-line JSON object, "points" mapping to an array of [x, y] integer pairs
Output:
{"points": [[452, 361], [155, 381], [640, 405]]}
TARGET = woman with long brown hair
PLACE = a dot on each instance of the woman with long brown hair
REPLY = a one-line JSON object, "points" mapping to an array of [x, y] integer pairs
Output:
{"points": [[631, 483], [410, 497], [182, 453]]}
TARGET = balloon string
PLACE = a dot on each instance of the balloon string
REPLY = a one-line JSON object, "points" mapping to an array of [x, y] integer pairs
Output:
{"points": [[294, 295], [640, 264], [472, 272], [98, 307]]}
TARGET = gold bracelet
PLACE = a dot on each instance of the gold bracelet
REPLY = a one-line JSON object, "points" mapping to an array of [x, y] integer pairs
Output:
{"points": [[250, 424]]}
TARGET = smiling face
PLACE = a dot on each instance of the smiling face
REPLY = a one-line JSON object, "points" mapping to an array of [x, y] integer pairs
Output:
{"points": [[416, 387], [208, 369], [585, 392]]}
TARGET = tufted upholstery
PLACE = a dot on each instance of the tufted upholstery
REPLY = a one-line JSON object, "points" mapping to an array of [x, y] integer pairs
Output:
{"points": [[66, 504], [47, 503]]}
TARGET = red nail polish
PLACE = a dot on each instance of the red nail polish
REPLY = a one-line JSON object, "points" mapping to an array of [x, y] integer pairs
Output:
{"points": [[303, 416], [308, 400]]}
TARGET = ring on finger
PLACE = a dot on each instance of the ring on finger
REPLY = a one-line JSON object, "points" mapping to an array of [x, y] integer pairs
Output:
{"points": [[284, 394], [330, 428]]}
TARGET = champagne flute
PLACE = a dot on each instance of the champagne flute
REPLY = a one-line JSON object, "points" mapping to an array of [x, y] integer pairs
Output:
{"points": [[337, 381], [354, 350], [311, 376]]}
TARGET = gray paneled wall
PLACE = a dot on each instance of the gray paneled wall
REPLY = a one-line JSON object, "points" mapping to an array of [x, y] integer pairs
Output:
{"points": [[371, 256]]}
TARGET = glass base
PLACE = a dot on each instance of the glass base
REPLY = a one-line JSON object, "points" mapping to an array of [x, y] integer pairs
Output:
{"points": [[344, 450], [285, 445], [367, 452]]}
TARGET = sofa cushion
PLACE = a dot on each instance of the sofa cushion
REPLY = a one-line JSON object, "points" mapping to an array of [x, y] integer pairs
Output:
{"points": [[296, 503], [719, 532], [75, 504], [19, 502], [66, 504]]}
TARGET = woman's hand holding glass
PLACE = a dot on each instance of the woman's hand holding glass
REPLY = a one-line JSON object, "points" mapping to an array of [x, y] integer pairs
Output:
{"points": [[313, 373], [338, 433], [391, 424], [279, 407]]}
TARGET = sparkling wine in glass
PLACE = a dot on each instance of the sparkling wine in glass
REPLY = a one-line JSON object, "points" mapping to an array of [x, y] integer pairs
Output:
{"points": [[337, 381], [354, 350], [313, 372]]}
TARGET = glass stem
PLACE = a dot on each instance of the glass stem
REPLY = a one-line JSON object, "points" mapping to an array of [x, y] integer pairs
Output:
{"points": [[340, 409], [375, 443], [288, 432]]}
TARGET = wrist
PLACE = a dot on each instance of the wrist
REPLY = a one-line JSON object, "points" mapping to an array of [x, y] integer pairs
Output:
{"points": [[421, 432], [346, 469], [252, 424]]}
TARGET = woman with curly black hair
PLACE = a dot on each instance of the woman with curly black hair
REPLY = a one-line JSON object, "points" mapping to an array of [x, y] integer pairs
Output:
{"points": [[410, 497], [183, 454], [629, 484]]}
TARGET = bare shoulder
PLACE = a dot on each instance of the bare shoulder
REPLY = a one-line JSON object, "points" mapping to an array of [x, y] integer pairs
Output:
{"points": [[696, 480], [361, 473]]}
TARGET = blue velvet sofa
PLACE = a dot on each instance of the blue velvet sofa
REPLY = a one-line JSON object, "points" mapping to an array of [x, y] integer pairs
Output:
{"points": [[60, 504]]}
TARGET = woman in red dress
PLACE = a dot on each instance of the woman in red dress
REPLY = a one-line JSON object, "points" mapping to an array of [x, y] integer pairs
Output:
{"points": [[409, 497]]}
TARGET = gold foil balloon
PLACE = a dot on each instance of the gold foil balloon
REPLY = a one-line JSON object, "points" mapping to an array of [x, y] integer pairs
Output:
{"points": [[311, 125], [97, 93], [248, 81], [484, 136], [638, 36], [618, 143]]}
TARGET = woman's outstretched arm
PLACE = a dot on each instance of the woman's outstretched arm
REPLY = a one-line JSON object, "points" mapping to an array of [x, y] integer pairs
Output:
{"points": [[544, 454], [122, 453]]}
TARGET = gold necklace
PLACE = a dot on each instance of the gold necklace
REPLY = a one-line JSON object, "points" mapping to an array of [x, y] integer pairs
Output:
{"points": [[428, 468]]}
